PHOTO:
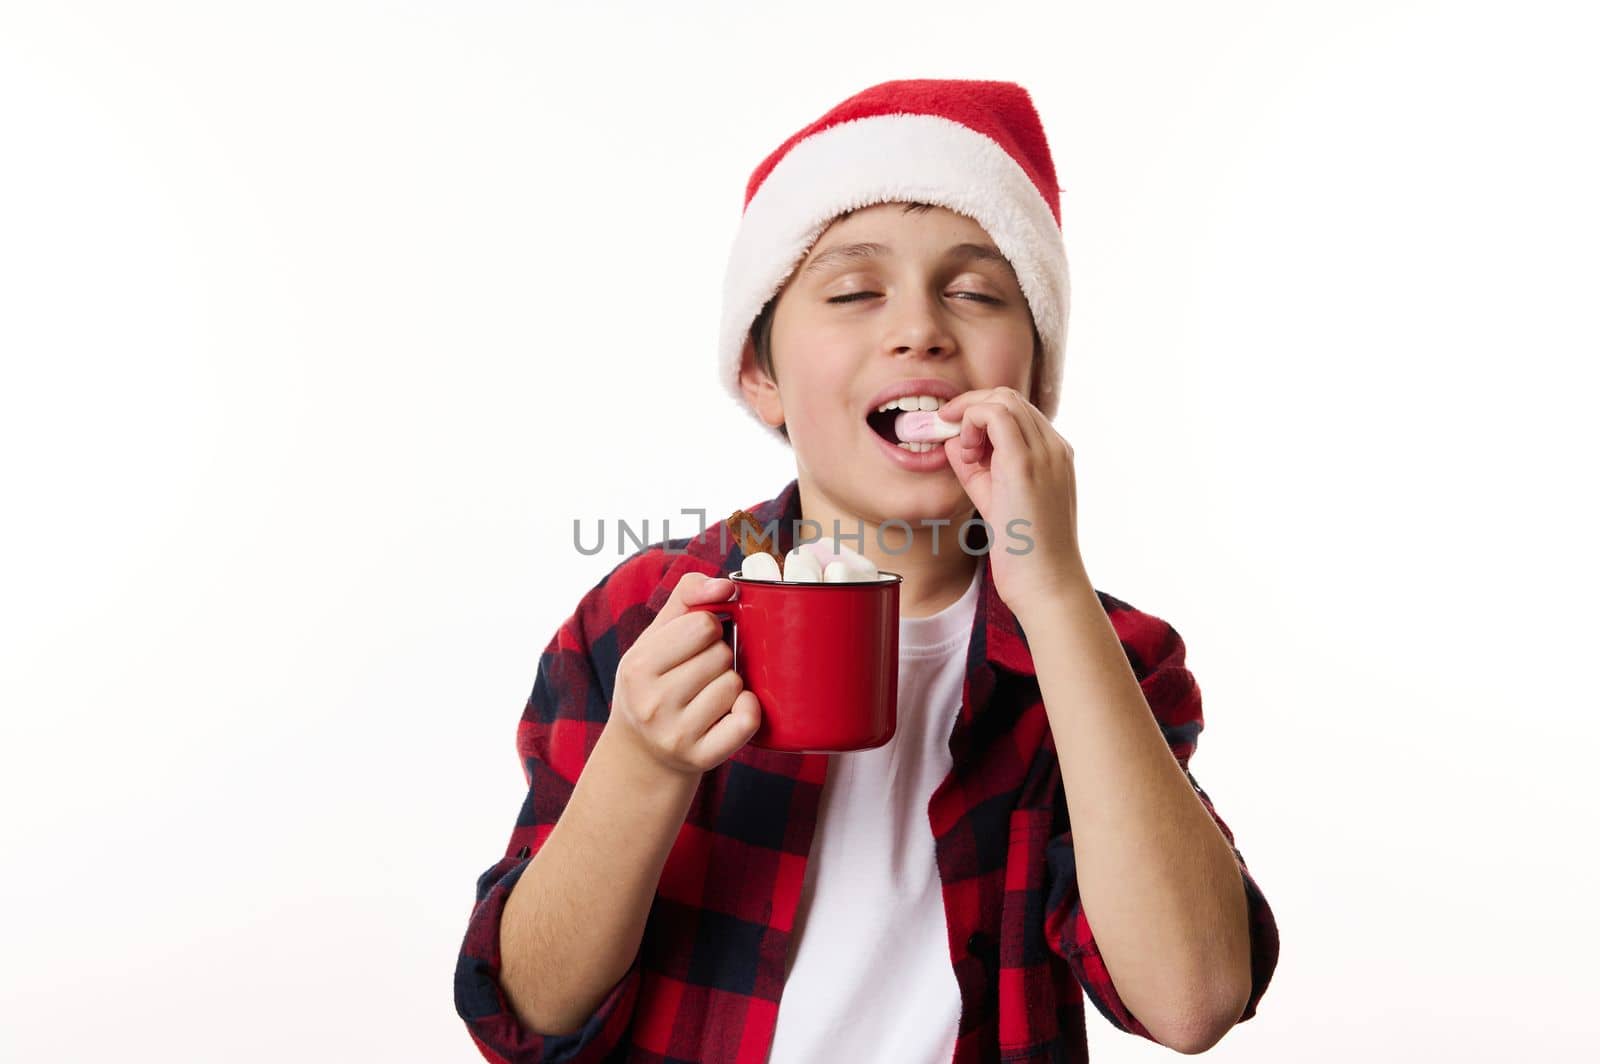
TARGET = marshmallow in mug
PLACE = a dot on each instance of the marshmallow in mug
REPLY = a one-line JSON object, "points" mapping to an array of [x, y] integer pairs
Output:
{"points": [[816, 562]]}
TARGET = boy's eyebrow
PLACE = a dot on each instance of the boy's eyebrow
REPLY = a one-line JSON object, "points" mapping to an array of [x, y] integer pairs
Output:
{"points": [[867, 250]]}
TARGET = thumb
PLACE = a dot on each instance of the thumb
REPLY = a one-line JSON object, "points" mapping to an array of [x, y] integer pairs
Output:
{"points": [[960, 464]]}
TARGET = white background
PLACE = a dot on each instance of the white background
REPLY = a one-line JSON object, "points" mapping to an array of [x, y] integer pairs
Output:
{"points": [[321, 322]]}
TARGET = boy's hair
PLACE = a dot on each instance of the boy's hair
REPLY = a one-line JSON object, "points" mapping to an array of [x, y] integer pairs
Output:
{"points": [[761, 329]]}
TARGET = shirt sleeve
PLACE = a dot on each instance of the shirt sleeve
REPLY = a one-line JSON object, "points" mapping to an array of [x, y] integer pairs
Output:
{"points": [[563, 717], [1156, 652]]}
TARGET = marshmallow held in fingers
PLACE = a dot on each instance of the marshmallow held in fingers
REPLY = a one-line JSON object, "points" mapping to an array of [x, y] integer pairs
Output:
{"points": [[924, 426]]}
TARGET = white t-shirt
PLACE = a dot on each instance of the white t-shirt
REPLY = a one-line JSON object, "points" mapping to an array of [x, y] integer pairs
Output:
{"points": [[870, 977]]}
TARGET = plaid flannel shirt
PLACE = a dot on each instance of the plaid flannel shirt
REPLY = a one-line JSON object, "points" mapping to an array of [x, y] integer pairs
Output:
{"points": [[708, 977]]}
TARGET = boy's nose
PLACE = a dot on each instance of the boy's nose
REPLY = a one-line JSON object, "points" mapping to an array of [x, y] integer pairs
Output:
{"points": [[919, 329]]}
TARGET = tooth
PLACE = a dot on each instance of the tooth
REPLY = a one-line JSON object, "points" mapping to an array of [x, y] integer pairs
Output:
{"points": [[912, 403]]}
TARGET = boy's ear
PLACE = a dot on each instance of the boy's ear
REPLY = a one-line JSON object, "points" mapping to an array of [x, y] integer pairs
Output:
{"points": [[759, 390]]}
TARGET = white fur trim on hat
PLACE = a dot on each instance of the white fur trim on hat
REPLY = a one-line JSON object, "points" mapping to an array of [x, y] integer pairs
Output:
{"points": [[894, 158]]}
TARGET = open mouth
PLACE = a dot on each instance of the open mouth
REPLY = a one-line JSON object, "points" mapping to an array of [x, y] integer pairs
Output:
{"points": [[882, 420]]}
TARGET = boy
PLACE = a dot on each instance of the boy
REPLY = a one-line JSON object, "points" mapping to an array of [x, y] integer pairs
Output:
{"points": [[670, 893]]}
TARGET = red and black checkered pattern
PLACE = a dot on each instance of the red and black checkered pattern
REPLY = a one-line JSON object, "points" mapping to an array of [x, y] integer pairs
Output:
{"points": [[708, 979]]}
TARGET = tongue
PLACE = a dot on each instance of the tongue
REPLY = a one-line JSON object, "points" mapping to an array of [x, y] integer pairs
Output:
{"points": [[924, 426]]}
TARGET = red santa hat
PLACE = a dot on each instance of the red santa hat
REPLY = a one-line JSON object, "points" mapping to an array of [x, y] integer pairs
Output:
{"points": [[974, 147]]}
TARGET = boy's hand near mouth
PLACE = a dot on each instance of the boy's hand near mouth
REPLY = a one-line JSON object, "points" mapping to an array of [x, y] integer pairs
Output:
{"points": [[1015, 467]]}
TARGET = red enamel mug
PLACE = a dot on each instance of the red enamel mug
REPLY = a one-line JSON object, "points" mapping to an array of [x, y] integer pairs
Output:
{"points": [[823, 659]]}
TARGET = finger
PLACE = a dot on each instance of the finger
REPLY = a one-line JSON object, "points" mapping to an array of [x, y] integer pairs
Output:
{"points": [[1000, 425], [954, 408], [663, 647], [684, 681], [710, 704], [692, 589], [1030, 419], [970, 473], [730, 733], [972, 439], [1027, 415], [663, 650]]}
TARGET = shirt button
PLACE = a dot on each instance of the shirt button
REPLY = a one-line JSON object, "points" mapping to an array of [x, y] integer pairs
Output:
{"points": [[522, 853], [980, 944]]}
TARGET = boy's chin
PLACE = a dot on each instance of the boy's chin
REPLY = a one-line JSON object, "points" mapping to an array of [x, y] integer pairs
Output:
{"points": [[913, 496], [912, 489]]}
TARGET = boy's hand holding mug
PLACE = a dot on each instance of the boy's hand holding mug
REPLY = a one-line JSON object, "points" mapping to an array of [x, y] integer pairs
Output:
{"points": [[677, 698]]}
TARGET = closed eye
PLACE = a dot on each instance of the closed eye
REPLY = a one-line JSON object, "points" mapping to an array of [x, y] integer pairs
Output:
{"points": [[853, 296]]}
